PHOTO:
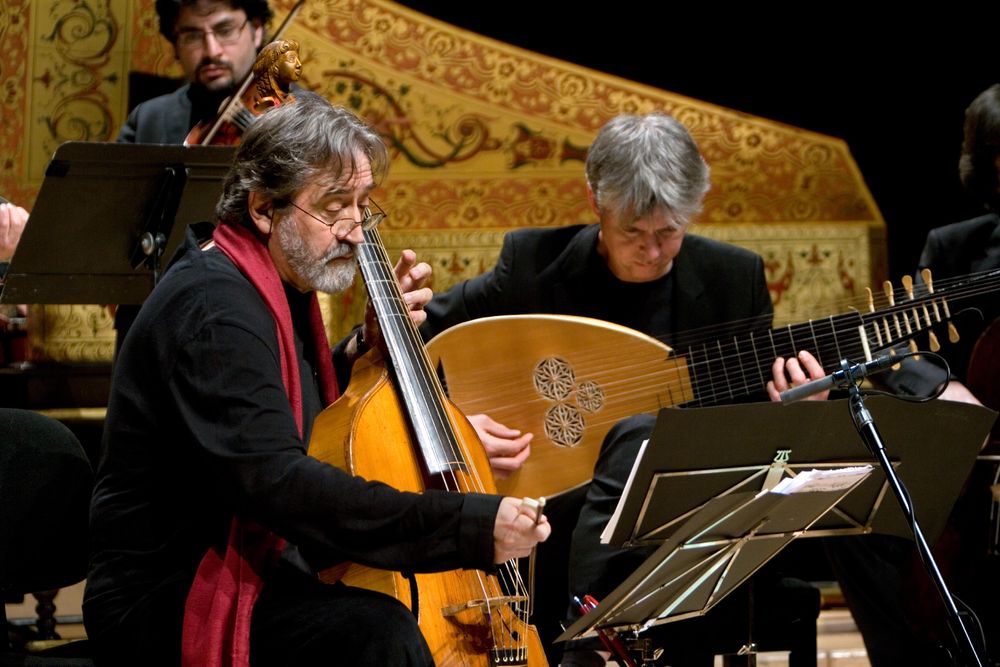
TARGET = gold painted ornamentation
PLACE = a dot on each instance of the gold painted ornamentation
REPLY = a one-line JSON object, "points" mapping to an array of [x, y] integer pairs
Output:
{"points": [[71, 333], [485, 138]]}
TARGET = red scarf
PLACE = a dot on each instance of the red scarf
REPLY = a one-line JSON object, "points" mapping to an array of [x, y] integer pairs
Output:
{"points": [[226, 585]]}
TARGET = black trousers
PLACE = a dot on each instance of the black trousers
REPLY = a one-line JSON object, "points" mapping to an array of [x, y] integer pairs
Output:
{"points": [[300, 621], [297, 620]]}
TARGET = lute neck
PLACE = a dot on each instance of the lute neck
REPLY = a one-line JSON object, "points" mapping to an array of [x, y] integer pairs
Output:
{"points": [[728, 369]]}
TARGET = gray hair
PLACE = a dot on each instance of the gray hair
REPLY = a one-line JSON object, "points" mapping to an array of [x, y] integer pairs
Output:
{"points": [[287, 147], [640, 163]]}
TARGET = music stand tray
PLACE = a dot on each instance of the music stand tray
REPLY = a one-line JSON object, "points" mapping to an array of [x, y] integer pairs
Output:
{"points": [[701, 493], [83, 242], [711, 553]]}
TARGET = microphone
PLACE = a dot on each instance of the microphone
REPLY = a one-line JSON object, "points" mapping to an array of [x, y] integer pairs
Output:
{"points": [[848, 375]]}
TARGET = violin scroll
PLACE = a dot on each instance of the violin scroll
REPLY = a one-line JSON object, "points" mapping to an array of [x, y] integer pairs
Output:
{"points": [[275, 70]]}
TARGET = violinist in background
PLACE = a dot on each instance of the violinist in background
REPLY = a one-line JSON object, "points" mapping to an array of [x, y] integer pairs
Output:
{"points": [[216, 43]]}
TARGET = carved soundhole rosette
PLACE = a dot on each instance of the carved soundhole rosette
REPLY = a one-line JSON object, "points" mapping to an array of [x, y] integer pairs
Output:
{"points": [[554, 378], [564, 425], [590, 396]]}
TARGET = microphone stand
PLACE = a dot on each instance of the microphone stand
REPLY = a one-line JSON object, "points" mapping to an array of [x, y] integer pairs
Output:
{"points": [[866, 427]]}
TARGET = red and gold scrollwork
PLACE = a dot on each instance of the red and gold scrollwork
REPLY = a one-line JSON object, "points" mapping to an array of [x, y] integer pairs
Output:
{"points": [[485, 137]]}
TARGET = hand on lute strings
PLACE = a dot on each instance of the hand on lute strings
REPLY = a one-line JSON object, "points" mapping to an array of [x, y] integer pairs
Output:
{"points": [[507, 448], [794, 371]]}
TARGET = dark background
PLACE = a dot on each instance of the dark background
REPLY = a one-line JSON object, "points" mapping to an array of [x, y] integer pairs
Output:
{"points": [[895, 88]]}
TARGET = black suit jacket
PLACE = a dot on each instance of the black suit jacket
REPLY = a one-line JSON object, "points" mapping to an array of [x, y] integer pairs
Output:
{"points": [[951, 251], [546, 271], [963, 247], [166, 119], [956, 250]]}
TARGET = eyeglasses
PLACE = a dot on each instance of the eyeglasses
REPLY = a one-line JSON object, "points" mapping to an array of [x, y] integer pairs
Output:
{"points": [[368, 220], [224, 33]]}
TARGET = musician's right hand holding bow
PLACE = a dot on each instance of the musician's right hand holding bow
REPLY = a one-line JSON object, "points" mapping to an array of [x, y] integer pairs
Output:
{"points": [[518, 528]]}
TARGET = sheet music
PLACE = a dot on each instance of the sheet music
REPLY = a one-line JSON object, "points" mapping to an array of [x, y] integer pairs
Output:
{"points": [[613, 522], [834, 479]]}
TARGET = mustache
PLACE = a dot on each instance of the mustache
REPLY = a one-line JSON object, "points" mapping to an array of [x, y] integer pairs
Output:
{"points": [[214, 62], [342, 249]]}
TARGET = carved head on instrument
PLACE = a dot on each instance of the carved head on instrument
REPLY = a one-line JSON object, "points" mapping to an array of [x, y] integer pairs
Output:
{"points": [[302, 178], [646, 181], [215, 41], [276, 68], [979, 164]]}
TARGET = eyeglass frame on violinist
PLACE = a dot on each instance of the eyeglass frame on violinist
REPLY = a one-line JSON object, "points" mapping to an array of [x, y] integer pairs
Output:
{"points": [[367, 222], [225, 34]]}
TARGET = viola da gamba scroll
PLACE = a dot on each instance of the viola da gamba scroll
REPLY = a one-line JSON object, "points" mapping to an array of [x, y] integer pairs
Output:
{"points": [[394, 424], [569, 379]]}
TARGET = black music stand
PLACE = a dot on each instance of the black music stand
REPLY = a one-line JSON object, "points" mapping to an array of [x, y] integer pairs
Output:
{"points": [[696, 490], [108, 216], [697, 454], [711, 553]]}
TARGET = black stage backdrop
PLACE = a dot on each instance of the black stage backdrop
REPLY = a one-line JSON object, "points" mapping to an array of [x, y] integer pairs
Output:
{"points": [[894, 87]]}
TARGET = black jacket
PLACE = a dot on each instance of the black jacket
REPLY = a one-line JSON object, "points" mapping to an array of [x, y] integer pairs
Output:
{"points": [[162, 120], [558, 271], [951, 251], [199, 428]]}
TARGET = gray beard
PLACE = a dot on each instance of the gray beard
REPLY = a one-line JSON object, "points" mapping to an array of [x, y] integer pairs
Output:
{"points": [[317, 273]]}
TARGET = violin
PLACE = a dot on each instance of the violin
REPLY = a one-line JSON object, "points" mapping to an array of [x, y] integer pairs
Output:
{"points": [[266, 85], [408, 435]]}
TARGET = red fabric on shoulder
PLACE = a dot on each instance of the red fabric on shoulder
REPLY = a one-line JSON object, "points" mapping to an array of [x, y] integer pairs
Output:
{"points": [[220, 603]]}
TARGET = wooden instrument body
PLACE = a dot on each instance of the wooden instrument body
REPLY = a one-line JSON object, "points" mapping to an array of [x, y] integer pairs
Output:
{"points": [[568, 379], [562, 379], [361, 433]]}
